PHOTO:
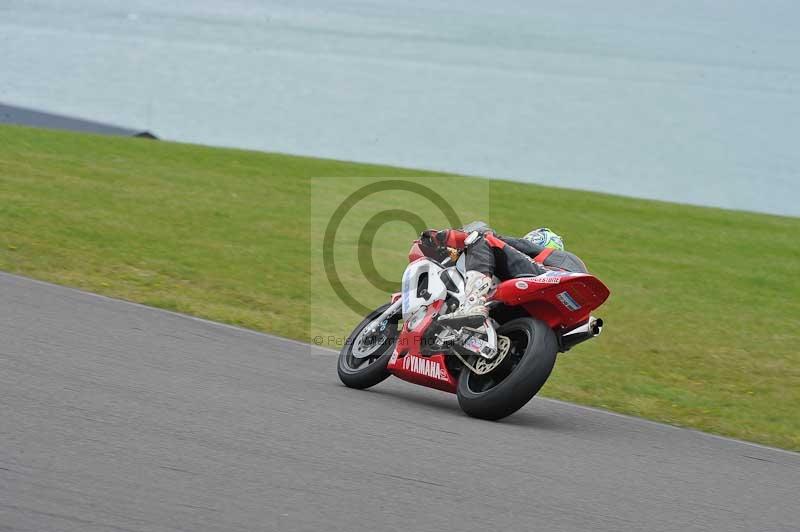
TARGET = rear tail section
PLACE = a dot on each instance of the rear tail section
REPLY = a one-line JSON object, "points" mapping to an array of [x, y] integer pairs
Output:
{"points": [[560, 299]]}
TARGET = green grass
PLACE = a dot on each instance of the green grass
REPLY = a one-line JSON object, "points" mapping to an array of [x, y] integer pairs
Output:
{"points": [[703, 321]]}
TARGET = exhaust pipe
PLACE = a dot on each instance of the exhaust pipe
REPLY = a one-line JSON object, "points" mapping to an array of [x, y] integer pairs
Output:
{"points": [[587, 331]]}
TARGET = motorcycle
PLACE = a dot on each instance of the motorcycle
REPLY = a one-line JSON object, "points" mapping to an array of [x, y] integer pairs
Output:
{"points": [[494, 368]]}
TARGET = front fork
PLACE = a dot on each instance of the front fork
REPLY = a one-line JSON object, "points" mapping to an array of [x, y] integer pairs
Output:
{"points": [[465, 342], [375, 324]]}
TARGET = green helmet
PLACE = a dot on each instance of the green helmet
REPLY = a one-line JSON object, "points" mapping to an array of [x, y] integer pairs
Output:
{"points": [[546, 238]]}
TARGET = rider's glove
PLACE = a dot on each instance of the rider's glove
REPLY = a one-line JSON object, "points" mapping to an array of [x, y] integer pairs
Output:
{"points": [[434, 243]]}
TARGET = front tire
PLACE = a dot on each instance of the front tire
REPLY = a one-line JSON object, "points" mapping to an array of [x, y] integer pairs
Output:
{"points": [[360, 373], [518, 378]]}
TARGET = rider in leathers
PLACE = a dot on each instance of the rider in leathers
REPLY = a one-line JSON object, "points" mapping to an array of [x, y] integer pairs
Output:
{"points": [[491, 255]]}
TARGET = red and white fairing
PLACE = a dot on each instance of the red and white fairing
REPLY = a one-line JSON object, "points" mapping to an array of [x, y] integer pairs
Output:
{"points": [[420, 307], [563, 300]]}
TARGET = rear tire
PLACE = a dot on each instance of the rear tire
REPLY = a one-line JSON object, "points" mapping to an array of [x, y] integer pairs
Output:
{"points": [[517, 379], [365, 372]]}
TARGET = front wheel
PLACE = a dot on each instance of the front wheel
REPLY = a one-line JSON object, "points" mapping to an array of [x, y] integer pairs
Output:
{"points": [[363, 359], [519, 376]]}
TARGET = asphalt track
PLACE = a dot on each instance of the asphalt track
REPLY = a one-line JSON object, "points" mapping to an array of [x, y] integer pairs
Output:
{"points": [[115, 416]]}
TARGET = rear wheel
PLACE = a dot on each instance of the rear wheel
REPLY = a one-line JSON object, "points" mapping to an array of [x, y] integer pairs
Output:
{"points": [[519, 376], [363, 359]]}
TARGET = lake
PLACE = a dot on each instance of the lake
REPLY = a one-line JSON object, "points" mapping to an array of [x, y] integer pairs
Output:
{"points": [[687, 101]]}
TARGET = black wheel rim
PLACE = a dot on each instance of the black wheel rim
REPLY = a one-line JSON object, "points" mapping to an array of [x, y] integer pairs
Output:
{"points": [[520, 338]]}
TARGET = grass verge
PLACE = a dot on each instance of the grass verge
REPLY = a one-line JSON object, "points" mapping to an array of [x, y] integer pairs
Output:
{"points": [[704, 319]]}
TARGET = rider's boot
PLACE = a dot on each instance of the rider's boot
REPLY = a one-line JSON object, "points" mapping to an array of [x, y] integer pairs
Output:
{"points": [[473, 312]]}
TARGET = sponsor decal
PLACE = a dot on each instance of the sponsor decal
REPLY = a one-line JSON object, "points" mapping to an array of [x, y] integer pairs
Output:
{"points": [[406, 291], [393, 358], [568, 301], [424, 366], [522, 285], [548, 278]]}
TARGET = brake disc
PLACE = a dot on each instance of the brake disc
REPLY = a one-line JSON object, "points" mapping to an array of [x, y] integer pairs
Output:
{"points": [[483, 366]]}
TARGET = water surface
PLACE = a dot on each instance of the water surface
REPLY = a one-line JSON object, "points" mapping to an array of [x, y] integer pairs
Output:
{"points": [[684, 101]]}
